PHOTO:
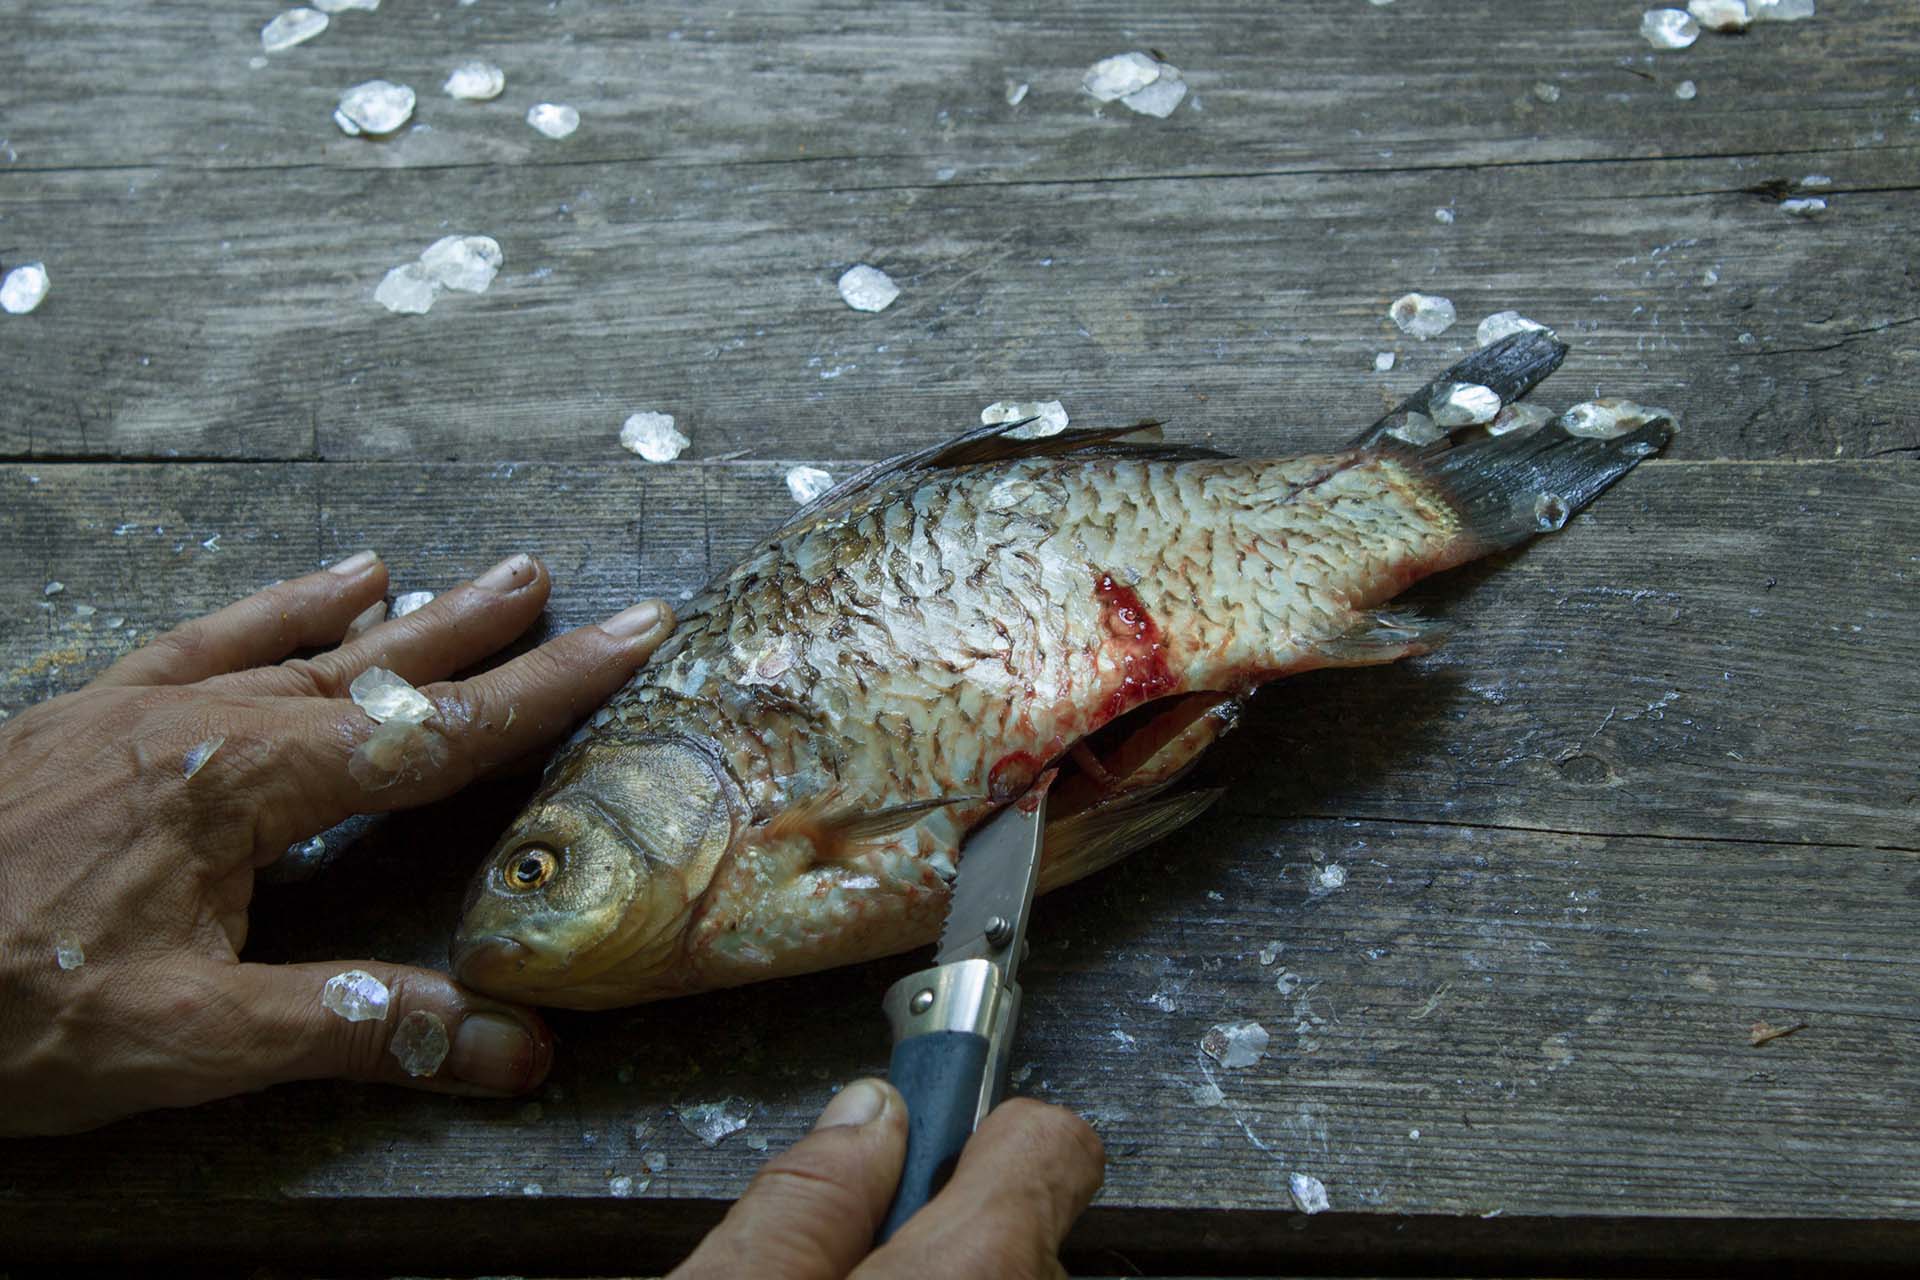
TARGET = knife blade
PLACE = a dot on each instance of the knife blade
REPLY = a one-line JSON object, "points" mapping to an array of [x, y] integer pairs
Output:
{"points": [[953, 1024]]}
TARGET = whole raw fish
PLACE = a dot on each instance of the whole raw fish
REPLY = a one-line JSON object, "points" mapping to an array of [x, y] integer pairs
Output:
{"points": [[786, 786]]}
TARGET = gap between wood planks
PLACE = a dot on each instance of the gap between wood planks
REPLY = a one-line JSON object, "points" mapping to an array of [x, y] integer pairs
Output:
{"points": [[1604, 835], [1219, 175]]}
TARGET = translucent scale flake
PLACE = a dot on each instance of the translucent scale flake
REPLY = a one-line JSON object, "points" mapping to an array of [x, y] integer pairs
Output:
{"points": [[807, 483], [1049, 417], [653, 436], [357, 996], [866, 288], [385, 696], [201, 752], [1309, 1193], [1120, 75], [374, 109], [407, 291], [712, 1121], [1720, 15], [463, 263], [554, 119], [295, 26], [1780, 10], [67, 952], [1422, 315], [24, 288], [1235, 1044], [411, 602], [1606, 419], [420, 1043], [1464, 404], [475, 81], [1503, 324], [1669, 28]]}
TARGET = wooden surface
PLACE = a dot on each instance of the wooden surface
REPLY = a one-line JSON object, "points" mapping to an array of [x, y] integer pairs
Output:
{"points": [[1658, 787]]}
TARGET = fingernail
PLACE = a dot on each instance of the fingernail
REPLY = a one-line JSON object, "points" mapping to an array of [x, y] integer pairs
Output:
{"points": [[510, 574], [638, 620], [494, 1052], [856, 1104], [368, 618], [358, 562]]}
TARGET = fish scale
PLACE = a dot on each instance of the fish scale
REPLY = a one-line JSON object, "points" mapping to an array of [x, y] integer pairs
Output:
{"points": [[877, 677]]}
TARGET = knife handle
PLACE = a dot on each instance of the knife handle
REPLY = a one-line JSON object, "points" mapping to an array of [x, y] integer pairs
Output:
{"points": [[940, 1074], [946, 1021]]}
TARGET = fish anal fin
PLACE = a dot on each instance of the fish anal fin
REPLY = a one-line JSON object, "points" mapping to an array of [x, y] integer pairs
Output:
{"points": [[1082, 843], [1377, 638]]}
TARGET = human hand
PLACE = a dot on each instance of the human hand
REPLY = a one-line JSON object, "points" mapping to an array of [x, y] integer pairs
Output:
{"points": [[112, 849], [812, 1211]]}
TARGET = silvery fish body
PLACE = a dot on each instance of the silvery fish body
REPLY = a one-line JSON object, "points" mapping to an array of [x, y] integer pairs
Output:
{"points": [[788, 784]]}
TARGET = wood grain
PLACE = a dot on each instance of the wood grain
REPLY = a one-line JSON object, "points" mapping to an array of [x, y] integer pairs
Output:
{"points": [[1657, 787], [214, 265], [1584, 847], [1712, 650]]}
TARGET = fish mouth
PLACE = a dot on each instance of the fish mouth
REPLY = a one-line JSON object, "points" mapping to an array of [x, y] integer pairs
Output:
{"points": [[490, 963]]}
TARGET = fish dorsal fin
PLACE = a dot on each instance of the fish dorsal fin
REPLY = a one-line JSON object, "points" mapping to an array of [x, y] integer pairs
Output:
{"points": [[995, 443]]}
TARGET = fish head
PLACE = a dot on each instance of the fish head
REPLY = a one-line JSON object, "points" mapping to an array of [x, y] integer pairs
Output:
{"points": [[585, 900]]}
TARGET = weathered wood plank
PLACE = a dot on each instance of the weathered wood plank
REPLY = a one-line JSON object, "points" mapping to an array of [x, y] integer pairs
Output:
{"points": [[666, 261], [1657, 787], [194, 318], [1562, 1019], [1714, 650], [904, 90], [1550, 929]]}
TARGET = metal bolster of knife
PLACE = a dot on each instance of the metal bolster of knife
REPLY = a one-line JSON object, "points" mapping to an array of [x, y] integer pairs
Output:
{"points": [[966, 996]]}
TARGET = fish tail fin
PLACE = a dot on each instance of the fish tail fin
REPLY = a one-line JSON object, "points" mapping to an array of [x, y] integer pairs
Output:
{"points": [[1509, 368], [1508, 488]]}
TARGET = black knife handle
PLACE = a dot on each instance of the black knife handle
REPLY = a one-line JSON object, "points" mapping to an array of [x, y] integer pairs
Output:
{"points": [[940, 1075]]}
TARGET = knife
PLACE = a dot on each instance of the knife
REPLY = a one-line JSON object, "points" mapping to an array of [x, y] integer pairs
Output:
{"points": [[953, 1024]]}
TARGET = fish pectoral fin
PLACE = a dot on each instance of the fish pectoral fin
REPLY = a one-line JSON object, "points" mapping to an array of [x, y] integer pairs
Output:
{"points": [[1084, 843], [1380, 638], [837, 832], [878, 824]]}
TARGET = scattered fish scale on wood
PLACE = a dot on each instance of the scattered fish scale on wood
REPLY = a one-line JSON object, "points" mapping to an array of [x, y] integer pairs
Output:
{"points": [[787, 785]]}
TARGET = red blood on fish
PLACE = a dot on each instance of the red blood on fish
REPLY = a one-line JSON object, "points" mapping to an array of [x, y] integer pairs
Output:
{"points": [[1133, 636], [1011, 774]]}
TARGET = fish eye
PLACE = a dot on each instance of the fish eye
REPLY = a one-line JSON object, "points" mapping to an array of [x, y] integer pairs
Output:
{"points": [[529, 867]]}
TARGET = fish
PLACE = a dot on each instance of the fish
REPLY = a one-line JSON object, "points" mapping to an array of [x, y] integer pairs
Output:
{"points": [[789, 782]]}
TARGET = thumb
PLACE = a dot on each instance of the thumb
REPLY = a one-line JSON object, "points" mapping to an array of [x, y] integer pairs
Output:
{"points": [[812, 1211], [366, 1020]]}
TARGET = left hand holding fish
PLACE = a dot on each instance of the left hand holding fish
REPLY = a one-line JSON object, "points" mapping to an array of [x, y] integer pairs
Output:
{"points": [[811, 1214], [135, 811]]}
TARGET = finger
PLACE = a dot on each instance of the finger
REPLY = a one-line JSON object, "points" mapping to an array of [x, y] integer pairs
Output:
{"points": [[1022, 1180], [332, 762], [811, 1211], [270, 1024], [455, 630], [300, 613]]}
